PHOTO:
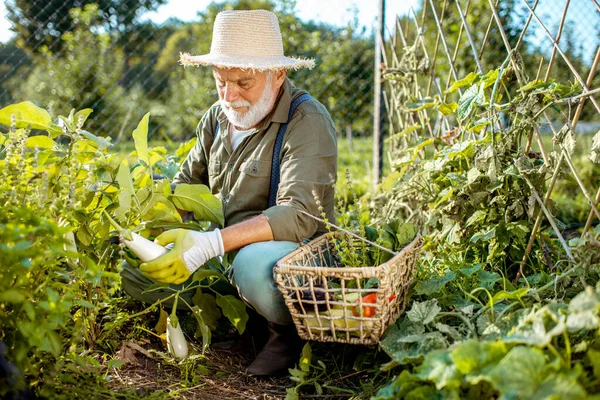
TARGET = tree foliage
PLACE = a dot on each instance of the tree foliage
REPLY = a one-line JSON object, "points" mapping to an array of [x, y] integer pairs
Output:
{"points": [[40, 23]]}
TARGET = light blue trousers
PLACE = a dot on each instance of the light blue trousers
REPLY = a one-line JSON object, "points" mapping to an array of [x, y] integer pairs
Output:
{"points": [[252, 275]]}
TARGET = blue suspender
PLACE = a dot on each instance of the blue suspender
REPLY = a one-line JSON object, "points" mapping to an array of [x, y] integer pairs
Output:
{"points": [[275, 164], [275, 172]]}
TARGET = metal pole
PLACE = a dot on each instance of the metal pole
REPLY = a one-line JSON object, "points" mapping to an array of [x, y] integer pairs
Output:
{"points": [[379, 107]]}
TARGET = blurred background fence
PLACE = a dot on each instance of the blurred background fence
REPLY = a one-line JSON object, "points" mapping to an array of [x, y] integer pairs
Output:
{"points": [[103, 55]]}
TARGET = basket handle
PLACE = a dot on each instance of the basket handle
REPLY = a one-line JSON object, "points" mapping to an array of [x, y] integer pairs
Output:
{"points": [[349, 233]]}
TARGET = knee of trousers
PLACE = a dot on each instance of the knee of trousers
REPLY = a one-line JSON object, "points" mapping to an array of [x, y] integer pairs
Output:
{"points": [[253, 277]]}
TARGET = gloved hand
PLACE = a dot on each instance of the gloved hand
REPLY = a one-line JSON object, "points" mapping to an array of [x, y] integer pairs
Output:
{"points": [[190, 251]]}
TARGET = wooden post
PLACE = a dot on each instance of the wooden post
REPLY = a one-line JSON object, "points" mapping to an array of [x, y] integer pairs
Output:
{"points": [[379, 105]]}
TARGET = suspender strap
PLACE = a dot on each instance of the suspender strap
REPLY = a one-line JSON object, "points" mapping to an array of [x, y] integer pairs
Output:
{"points": [[275, 166]]}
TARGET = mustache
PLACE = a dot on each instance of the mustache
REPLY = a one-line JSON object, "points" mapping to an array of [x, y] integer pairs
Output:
{"points": [[236, 103]]}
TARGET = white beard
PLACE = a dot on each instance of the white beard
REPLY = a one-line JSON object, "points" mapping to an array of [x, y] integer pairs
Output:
{"points": [[256, 112]]}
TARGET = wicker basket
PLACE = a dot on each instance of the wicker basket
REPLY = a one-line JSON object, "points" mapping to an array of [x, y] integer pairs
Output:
{"points": [[326, 299]]}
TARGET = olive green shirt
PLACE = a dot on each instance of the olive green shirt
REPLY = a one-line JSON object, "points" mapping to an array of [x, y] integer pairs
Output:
{"points": [[241, 177]]}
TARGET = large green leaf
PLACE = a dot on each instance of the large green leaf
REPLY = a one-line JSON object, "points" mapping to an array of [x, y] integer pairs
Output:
{"points": [[424, 312], [161, 209], [434, 285], [39, 142], [140, 137], [202, 329], [83, 115], [583, 311], [200, 200], [519, 373], [466, 81], [208, 308], [27, 115], [234, 310], [126, 190], [439, 368], [468, 100], [408, 343], [538, 328], [475, 358], [96, 141]]}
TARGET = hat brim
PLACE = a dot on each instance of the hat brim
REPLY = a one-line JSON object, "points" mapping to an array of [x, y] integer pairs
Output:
{"points": [[260, 63]]}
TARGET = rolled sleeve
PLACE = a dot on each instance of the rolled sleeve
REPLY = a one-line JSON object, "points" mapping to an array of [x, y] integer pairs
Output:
{"points": [[308, 169]]}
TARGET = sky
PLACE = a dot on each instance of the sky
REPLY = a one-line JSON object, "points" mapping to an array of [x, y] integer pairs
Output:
{"points": [[335, 12], [340, 12]]}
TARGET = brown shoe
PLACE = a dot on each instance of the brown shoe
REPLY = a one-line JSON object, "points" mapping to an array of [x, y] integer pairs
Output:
{"points": [[281, 352]]}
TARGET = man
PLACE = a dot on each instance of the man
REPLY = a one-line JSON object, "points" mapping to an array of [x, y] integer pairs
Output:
{"points": [[266, 184]]}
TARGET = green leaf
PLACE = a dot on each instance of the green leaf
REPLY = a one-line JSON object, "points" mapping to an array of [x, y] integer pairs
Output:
{"points": [[2, 139], [468, 100], [27, 115], [421, 104], [305, 358], [234, 310], [583, 311], [424, 312], [466, 81], [484, 235], [83, 114], [140, 137], [488, 279], [473, 174], [12, 296], [115, 364], [474, 358], [490, 78], [404, 132], [200, 200], [439, 368], [202, 274], [434, 285], [126, 190], [161, 325], [520, 372], [100, 143], [405, 233], [538, 328], [202, 329], [406, 342], [477, 217], [291, 394], [40, 142], [448, 108], [208, 308]]}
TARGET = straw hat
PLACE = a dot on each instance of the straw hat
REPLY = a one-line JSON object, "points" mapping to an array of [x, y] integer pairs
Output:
{"points": [[249, 40]]}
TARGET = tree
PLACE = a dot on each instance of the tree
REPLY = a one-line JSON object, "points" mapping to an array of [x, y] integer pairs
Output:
{"points": [[342, 79], [40, 23]]}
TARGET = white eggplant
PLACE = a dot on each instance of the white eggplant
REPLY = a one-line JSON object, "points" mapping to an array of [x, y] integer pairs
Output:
{"points": [[145, 249], [176, 342]]}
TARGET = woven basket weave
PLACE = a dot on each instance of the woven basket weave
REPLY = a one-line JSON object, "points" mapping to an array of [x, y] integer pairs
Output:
{"points": [[325, 298]]}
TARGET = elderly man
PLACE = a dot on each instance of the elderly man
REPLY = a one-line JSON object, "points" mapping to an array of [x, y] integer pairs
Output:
{"points": [[266, 149]]}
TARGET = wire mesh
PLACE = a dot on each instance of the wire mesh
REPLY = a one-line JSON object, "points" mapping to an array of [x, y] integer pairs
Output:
{"points": [[122, 67], [525, 42]]}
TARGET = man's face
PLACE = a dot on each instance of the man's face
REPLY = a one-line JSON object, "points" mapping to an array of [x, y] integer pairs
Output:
{"points": [[247, 96]]}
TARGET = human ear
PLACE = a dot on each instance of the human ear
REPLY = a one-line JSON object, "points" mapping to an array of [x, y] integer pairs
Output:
{"points": [[279, 78]]}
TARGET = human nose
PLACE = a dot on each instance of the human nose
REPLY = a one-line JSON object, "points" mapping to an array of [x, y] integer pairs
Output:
{"points": [[230, 92]]}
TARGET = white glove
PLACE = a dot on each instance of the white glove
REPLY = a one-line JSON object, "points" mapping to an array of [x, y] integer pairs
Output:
{"points": [[207, 245], [190, 251]]}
